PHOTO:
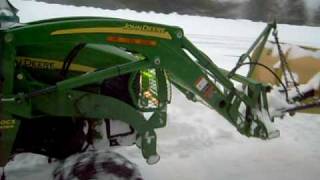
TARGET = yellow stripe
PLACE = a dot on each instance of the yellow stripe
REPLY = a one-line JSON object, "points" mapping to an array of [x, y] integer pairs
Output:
{"points": [[7, 123], [118, 30], [39, 63]]}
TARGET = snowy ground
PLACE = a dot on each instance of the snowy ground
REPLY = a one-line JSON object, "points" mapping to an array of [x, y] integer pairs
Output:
{"points": [[198, 143]]}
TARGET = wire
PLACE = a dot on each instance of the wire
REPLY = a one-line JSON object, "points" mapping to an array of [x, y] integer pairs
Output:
{"points": [[242, 57], [69, 58], [284, 65], [270, 70]]}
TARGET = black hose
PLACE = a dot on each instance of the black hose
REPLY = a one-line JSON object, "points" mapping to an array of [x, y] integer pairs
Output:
{"points": [[69, 59], [266, 67]]}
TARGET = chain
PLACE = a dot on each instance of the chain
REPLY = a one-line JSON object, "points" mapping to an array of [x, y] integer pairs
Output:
{"points": [[284, 65]]}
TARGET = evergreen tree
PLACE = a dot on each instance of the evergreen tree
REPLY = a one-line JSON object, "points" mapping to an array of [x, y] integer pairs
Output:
{"points": [[262, 10], [255, 9], [296, 12], [316, 18]]}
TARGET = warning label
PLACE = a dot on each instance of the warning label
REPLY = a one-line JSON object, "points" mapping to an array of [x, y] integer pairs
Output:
{"points": [[204, 86], [201, 83]]}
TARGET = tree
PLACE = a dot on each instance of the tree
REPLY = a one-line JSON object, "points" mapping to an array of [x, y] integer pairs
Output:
{"points": [[262, 10], [316, 18], [296, 12]]}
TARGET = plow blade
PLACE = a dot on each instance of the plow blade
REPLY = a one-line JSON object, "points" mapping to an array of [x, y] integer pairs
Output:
{"points": [[304, 63]]}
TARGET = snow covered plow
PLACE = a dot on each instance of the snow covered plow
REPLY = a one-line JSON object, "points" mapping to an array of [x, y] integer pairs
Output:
{"points": [[300, 72], [65, 75]]}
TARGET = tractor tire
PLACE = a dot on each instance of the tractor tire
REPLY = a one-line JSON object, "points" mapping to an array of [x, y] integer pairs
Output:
{"points": [[99, 165]]}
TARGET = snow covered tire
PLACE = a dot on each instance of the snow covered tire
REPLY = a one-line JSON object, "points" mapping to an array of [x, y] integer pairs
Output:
{"points": [[98, 165]]}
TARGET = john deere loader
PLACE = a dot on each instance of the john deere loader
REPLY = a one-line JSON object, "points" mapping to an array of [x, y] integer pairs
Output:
{"points": [[61, 78]]}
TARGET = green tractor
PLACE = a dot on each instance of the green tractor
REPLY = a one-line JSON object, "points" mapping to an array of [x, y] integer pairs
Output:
{"points": [[59, 76]]}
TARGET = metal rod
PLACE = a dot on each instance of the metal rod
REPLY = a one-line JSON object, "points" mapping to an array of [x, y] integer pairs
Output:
{"points": [[97, 76]]}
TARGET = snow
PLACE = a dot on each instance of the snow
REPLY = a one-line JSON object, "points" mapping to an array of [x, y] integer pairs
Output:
{"points": [[315, 82], [293, 51], [264, 117], [197, 142], [297, 52], [278, 102], [312, 84], [110, 165]]}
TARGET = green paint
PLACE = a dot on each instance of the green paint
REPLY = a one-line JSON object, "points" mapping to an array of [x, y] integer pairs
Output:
{"points": [[54, 39]]}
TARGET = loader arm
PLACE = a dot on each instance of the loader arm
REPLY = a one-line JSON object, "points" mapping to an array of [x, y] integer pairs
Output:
{"points": [[90, 50]]}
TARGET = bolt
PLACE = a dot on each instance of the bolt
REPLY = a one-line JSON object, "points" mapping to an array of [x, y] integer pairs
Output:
{"points": [[179, 34], [69, 96], [292, 113], [20, 76], [157, 61], [8, 38]]}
